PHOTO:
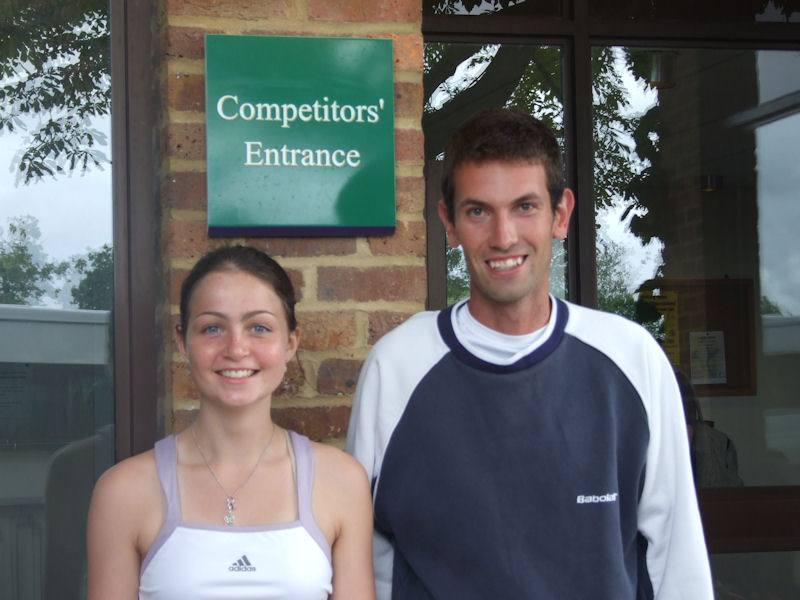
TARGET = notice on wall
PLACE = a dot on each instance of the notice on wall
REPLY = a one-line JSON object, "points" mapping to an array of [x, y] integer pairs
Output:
{"points": [[14, 379], [707, 356], [300, 136], [666, 303]]}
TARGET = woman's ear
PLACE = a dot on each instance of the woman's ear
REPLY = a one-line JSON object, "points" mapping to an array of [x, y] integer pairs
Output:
{"points": [[180, 340], [293, 344]]}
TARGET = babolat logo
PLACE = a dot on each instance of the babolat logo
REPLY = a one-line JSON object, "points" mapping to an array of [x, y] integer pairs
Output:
{"points": [[242, 565], [597, 499]]}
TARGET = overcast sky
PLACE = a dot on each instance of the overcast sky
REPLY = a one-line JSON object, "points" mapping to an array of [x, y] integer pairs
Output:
{"points": [[779, 184], [74, 212]]}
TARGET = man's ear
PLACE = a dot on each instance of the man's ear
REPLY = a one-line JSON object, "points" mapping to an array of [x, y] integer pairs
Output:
{"points": [[449, 226], [563, 213]]}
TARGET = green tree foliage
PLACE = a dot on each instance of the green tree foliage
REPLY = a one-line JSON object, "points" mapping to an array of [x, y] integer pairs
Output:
{"points": [[613, 291], [27, 276], [54, 78], [470, 7], [25, 273], [95, 291], [615, 163], [457, 275], [768, 307]]}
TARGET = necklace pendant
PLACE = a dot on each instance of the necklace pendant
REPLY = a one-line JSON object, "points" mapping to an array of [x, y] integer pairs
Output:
{"points": [[231, 504]]}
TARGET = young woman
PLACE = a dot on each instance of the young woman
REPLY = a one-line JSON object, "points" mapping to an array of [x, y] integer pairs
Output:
{"points": [[233, 506]]}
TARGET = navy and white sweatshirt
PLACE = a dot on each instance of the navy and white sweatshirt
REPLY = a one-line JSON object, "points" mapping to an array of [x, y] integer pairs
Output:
{"points": [[565, 475]]}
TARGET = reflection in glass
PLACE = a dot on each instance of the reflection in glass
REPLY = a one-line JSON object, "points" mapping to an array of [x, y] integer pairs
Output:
{"points": [[765, 575], [778, 216], [773, 11], [56, 290], [492, 7], [460, 79], [697, 215]]}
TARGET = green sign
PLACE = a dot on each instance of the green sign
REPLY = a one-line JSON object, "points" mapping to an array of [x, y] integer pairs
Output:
{"points": [[300, 136]]}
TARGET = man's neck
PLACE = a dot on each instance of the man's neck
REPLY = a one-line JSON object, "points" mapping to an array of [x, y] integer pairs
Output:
{"points": [[517, 318]]}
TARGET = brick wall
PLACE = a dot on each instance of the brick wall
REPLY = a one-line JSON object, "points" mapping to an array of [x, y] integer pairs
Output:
{"points": [[351, 290]]}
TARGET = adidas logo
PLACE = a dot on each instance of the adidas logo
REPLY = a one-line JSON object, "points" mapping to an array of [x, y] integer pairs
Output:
{"points": [[242, 565]]}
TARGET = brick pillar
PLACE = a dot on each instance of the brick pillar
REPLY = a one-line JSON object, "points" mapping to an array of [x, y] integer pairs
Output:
{"points": [[350, 290]]}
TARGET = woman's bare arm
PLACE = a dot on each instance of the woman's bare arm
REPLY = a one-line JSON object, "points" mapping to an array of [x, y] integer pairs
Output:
{"points": [[121, 498], [344, 485]]}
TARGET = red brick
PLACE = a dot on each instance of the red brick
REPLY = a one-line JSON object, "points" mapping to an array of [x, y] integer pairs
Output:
{"points": [[338, 376], [187, 140], [409, 146], [366, 10], [181, 419], [327, 330], [410, 194], [189, 239], [408, 100], [318, 423], [382, 322], [185, 190], [376, 283], [322, 10], [298, 283], [186, 42], [408, 53], [315, 246], [176, 278], [408, 239], [293, 380], [233, 9], [182, 384], [186, 92]]}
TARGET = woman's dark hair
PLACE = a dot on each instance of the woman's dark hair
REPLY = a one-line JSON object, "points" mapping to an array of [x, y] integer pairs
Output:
{"points": [[241, 258]]}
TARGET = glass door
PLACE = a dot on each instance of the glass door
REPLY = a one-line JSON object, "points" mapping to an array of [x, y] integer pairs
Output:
{"points": [[697, 240], [56, 290]]}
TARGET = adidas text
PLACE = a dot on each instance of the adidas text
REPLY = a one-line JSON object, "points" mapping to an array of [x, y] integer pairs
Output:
{"points": [[597, 499], [242, 565]]}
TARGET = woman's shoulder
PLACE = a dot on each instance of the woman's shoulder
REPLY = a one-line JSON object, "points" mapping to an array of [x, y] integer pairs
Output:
{"points": [[330, 458], [125, 514], [338, 475], [132, 482], [341, 490]]}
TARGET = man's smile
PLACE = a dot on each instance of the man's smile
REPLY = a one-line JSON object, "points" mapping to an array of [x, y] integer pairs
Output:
{"points": [[505, 264]]}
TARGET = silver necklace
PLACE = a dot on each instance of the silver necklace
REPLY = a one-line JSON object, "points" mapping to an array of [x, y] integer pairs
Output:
{"points": [[230, 499]]}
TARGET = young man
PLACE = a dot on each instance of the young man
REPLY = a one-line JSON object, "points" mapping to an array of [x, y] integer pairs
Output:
{"points": [[520, 446]]}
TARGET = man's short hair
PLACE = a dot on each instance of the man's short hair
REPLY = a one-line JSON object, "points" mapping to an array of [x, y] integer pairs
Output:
{"points": [[503, 134]]}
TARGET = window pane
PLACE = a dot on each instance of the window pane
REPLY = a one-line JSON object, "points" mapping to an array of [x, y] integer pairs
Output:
{"points": [[768, 575], [549, 8], [780, 11], [696, 189], [56, 290], [460, 79]]}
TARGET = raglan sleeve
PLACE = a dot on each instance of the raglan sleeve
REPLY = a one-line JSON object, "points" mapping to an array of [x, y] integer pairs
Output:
{"points": [[669, 517], [365, 442]]}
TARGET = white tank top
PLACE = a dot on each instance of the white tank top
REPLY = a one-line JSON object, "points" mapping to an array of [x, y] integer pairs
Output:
{"points": [[287, 561]]}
